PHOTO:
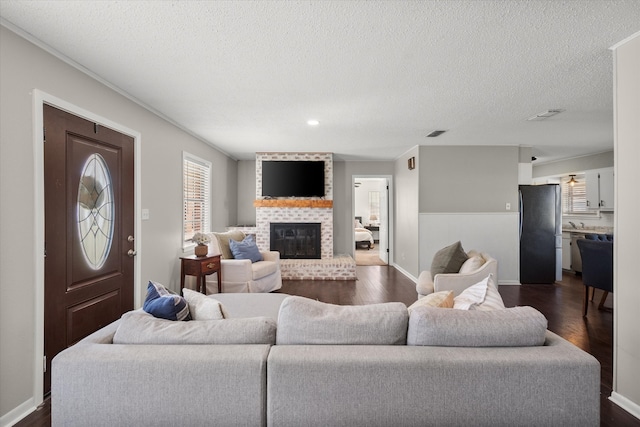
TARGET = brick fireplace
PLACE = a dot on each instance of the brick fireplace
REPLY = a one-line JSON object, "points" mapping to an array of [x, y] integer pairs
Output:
{"points": [[302, 211], [296, 210]]}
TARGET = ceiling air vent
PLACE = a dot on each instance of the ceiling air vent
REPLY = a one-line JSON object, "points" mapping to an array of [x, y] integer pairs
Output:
{"points": [[435, 133], [545, 114]]}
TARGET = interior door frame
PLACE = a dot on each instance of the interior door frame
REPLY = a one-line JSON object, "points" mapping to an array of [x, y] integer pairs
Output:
{"points": [[41, 98], [390, 205]]}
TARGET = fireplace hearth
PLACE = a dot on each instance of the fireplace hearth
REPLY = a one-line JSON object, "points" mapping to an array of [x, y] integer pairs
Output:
{"points": [[298, 240]]}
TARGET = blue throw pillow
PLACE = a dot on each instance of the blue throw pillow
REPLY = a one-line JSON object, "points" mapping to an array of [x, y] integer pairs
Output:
{"points": [[247, 249], [165, 305]]}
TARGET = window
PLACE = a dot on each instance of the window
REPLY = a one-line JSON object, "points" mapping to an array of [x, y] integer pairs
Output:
{"points": [[196, 179], [574, 197]]}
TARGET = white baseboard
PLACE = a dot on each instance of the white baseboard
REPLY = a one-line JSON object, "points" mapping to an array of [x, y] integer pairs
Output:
{"points": [[406, 273], [509, 282], [16, 414], [626, 404]]}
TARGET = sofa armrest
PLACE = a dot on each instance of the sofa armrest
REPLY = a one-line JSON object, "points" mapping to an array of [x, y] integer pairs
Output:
{"points": [[425, 284], [458, 282], [236, 270], [273, 256]]}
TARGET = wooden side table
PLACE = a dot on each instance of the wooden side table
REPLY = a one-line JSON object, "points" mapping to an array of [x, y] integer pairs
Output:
{"points": [[200, 266]]}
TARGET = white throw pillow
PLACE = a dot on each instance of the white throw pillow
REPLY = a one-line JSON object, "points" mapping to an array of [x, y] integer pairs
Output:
{"points": [[482, 296], [203, 307], [472, 264]]}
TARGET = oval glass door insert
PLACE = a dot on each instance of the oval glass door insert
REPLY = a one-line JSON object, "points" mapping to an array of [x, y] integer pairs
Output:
{"points": [[96, 211]]}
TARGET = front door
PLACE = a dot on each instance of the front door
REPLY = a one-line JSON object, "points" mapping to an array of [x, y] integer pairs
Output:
{"points": [[89, 229]]}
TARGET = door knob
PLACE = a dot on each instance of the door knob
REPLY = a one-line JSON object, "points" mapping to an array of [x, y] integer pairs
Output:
{"points": [[130, 239], [132, 253]]}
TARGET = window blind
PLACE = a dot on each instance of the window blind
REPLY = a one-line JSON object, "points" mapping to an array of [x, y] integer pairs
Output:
{"points": [[574, 197], [196, 179]]}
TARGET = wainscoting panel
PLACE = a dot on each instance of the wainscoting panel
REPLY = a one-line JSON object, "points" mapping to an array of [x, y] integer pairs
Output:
{"points": [[493, 232]]}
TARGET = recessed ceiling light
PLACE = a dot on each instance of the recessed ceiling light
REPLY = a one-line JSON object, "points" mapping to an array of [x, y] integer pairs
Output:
{"points": [[313, 122]]}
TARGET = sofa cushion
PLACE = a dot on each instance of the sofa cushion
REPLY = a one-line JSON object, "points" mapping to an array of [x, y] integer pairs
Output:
{"points": [[448, 259], [442, 299], [246, 249], [223, 242], [140, 328], [165, 305], [306, 321], [511, 327], [203, 307], [472, 264], [482, 296], [262, 269]]}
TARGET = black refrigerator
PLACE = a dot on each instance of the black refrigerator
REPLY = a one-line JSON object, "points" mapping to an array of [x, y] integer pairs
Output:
{"points": [[540, 234]]}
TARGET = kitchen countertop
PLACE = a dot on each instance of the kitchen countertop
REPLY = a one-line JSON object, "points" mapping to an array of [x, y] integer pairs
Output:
{"points": [[587, 230]]}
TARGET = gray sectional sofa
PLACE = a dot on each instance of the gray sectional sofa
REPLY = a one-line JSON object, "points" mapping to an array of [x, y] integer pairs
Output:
{"points": [[305, 363]]}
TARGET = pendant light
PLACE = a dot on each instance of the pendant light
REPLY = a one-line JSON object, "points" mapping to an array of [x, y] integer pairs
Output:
{"points": [[572, 181]]}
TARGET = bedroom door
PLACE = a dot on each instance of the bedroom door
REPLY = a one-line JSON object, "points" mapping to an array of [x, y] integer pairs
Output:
{"points": [[89, 229]]}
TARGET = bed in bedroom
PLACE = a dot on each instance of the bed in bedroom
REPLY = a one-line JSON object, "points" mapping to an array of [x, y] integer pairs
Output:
{"points": [[363, 237]]}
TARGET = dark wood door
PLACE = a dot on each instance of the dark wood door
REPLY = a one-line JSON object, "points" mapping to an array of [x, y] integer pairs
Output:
{"points": [[89, 229]]}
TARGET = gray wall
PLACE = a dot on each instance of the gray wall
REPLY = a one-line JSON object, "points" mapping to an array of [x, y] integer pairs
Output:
{"points": [[468, 178], [463, 195], [577, 164], [24, 67], [246, 192]]}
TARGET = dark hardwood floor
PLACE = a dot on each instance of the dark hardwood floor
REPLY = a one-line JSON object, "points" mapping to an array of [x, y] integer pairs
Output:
{"points": [[561, 303]]}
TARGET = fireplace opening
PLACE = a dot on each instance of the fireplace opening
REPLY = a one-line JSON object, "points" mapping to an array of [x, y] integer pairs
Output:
{"points": [[299, 240]]}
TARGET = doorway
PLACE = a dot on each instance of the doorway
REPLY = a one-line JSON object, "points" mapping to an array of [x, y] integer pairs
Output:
{"points": [[371, 220]]}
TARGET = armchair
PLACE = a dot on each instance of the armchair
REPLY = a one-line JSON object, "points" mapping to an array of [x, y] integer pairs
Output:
{"points": [[241, 275], [597, 268], [457, 282]]}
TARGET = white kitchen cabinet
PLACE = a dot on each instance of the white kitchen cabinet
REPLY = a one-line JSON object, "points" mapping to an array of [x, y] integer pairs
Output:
{"points": [[606, 189], [592, 184], [599, 188]]}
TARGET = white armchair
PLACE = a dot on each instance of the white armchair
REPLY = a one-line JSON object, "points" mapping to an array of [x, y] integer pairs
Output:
{"points": [[457, 282], [241, 275]]}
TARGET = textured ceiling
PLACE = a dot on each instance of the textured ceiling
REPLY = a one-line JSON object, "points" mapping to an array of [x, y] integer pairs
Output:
{"points": [[379, 76]]}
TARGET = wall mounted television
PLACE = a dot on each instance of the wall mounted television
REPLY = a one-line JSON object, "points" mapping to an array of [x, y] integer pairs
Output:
{"points": [[288, 178]]}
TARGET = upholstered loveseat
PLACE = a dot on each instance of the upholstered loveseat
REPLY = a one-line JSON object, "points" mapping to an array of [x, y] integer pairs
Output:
{"points": [[478, 266], [305, 363]]}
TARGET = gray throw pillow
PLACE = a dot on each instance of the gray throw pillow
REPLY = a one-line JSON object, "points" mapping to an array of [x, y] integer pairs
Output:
{"points": [[448, 260], [306, 321], [446, 327], [141, 328]]}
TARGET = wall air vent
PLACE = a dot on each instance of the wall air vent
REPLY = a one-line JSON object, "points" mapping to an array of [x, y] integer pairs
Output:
{"points": [[435, 133], [545, 114]]}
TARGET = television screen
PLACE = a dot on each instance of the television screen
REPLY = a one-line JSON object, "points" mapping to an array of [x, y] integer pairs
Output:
{"points": [[293, 178]]}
